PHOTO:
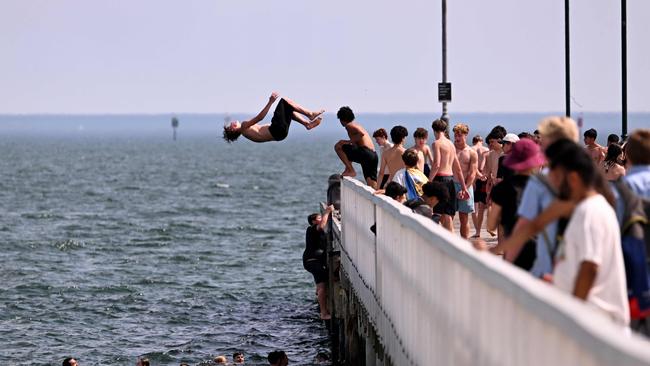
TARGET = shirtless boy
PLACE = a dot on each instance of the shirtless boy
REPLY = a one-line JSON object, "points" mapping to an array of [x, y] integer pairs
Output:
{"points": [[286, 111], [444, 168], [424, 152], [391, 159], [596, 151], [492, 166], [480, 195], [468, 160], [359, 148]]}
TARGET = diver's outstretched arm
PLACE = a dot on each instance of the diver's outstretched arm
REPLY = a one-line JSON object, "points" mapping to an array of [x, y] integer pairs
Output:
{"points": [[260, 116]]}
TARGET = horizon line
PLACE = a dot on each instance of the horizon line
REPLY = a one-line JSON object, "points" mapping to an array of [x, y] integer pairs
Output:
{"points": [[82, 114]]}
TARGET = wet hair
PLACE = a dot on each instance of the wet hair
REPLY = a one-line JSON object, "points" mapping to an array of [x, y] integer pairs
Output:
{"points": [[394, 190], [555, 128], [439, 125], [591, 133], [461, 128], [380, 133], [234, 355], [614, 151], [67, 360], [345, 114], [144, 362], [476, 139], [184, 364], [275, 356], [499, 131], [220, 359], [536, 132], [310, 220], [571, 157], [421, 133], [637, 147], [435, 189], [229, 135], [398, 134], [525, 135], [410, 158], [613, 139]]}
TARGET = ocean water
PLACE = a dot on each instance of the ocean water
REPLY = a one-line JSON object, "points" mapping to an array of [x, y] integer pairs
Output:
{"points": [[118, 247], [117, 242]]}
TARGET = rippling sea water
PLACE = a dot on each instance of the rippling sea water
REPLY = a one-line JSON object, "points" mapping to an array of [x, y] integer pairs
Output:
{"points": [[117, 247]]}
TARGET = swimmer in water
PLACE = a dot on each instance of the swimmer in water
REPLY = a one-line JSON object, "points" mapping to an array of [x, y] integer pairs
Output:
{"points": [[286, 111]]}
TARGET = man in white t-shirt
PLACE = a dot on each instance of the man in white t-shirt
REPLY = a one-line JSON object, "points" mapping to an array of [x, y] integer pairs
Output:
{"points": [[589, 260]]}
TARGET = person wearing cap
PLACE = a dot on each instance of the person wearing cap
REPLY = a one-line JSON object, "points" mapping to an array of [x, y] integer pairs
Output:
{"points": [[524, 159], [536, 198], [507, 142]]}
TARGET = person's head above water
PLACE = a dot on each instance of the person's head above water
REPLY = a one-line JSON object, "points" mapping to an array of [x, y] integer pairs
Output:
{"points": [[345, 115], [238, 357], [231, 131], [278, 358]]}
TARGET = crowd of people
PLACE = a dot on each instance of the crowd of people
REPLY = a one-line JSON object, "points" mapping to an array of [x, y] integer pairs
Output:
{"points": [[275, 358], [570, 214]]}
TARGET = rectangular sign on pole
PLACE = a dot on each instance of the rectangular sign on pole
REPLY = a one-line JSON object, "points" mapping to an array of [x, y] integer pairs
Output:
{"points": [[444, 92]]}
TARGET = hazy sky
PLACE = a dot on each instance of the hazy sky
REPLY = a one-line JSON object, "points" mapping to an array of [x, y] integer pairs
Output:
{"points": [[153, 56]]}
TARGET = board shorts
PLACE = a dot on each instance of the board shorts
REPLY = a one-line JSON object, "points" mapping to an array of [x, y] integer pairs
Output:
{"points": [[279, 128], [465, 206], [427, 169], [317, 268], [449, 207], [480, 192], [364, 156]]}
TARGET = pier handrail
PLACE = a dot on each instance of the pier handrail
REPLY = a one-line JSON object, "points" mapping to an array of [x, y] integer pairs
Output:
{"points": [[435, 300]]}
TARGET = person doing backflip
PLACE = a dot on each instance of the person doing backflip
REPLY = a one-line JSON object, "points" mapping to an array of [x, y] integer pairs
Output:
{"points": [[286, 111]]}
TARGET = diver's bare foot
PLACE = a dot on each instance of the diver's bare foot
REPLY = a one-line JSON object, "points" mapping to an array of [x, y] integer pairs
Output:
{"points": [[349, 173], [327, 316], [314, 115], [314, 123], [492, 233], [475, 236]]}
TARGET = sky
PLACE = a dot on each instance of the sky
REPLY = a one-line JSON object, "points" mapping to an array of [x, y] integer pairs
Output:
{"points": [[200, 56]]}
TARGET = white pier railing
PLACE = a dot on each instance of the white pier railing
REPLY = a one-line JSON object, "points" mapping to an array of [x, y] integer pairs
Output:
{"points": [[434, 300]]}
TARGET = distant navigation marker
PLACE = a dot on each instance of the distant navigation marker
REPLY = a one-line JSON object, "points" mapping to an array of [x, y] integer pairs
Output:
{"points": [[174, 125]]}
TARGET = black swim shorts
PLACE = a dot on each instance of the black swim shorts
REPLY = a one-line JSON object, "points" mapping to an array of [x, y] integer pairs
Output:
{"points": [[317, 268], [281, 120], [480, 193], [364, 156], [449, 207]]}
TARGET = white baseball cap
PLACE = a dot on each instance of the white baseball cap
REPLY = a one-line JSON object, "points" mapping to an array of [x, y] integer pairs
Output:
{"points": [[511, 137]]}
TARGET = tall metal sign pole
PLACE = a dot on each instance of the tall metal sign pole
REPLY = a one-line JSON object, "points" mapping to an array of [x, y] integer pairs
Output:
{"points": [[624, 68], [567, 61], [444, 88]]}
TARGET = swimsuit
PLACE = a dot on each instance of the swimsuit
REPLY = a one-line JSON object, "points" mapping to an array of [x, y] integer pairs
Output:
{"points": [[364, 156], [281, 120], [449, 207], [480, 193], [465, 206]]}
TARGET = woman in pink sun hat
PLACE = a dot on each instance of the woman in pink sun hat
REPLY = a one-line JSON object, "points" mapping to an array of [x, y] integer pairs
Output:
{"points": [[525, 159]]}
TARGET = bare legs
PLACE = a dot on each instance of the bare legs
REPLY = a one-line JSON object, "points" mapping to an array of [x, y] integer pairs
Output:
{"points": [[302, 110], [464, 224], [321, 293], [349, 170], [308, 125], [447, 222], [477, 218]]}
